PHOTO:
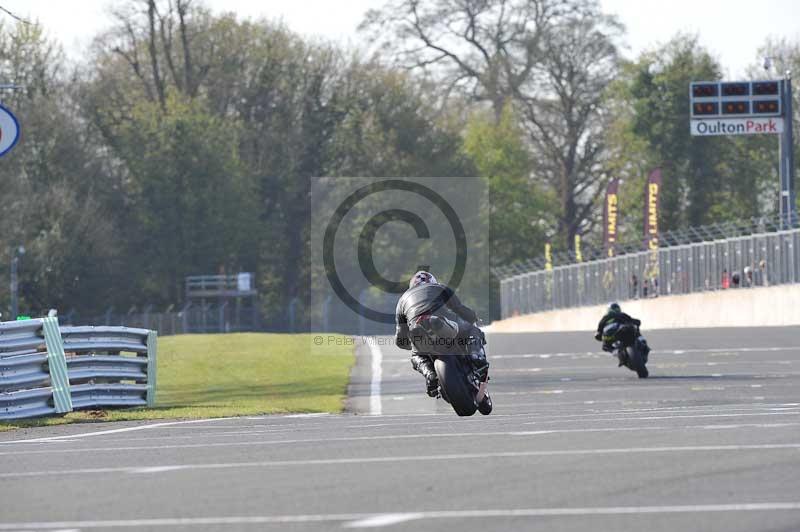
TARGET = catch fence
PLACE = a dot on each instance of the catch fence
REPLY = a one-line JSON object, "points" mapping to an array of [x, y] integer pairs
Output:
{"points": [[748, 261]]}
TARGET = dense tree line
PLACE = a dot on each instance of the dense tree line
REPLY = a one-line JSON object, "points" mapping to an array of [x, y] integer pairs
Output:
{"points": [[185, 141]]}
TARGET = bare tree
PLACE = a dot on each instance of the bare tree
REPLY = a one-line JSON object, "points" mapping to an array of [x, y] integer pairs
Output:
{"points": [[564, 115], [155, 39], [489, 49], [550, 59]]}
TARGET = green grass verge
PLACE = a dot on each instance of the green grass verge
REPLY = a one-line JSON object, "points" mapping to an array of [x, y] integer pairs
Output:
{"points": [[219, 375]]}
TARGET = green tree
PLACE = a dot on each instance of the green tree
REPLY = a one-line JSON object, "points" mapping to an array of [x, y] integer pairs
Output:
{"points": [[784, 55], [190, 205], [521, 212], [52, 184], [706, 179], [565, 116]]}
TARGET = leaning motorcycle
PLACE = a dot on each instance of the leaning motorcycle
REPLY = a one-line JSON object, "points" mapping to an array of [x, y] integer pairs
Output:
{"points": [[460, 366], [629, 346]]}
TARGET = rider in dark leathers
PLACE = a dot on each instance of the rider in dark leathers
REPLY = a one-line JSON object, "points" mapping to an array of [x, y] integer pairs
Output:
{"points": [[614, 314], [424, 307]]}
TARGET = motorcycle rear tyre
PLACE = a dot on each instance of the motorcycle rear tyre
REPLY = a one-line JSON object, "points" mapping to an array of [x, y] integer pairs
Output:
{"points": [[456, 387], [636, 362]]}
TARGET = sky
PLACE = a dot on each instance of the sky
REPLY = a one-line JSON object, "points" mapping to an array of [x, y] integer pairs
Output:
{"points": [[732, 30]]}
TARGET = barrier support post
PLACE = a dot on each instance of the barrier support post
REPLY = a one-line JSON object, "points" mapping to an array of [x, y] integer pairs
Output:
{"points": [[57, 365], [152, 348]]}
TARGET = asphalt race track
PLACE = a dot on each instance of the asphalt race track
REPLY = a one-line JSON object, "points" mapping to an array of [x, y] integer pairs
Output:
{"points": [[711, 442]]}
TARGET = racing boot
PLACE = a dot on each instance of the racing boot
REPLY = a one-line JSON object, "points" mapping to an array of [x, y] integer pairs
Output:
{"points": [[485, 406], [477, 355], [424, 365]]}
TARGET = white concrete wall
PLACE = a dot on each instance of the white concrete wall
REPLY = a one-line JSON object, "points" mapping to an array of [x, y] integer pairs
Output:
{"points": [[742, 307]]}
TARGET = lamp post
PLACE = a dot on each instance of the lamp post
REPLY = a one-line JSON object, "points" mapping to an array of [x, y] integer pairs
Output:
{"points": [[15, 255]]}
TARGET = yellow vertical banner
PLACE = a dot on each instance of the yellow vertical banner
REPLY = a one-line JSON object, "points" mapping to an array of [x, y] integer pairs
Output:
{"points": [[578, 253], [610, 215], [651, 214], [548, 256]]}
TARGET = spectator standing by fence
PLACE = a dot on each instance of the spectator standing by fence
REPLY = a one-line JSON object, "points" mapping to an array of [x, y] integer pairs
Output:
{"points": [[634, 286], [747, 280], [726, 281]]}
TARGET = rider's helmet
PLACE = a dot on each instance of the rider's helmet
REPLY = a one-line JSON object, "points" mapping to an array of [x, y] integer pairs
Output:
{"points": [[421, 277], [614, 307]]}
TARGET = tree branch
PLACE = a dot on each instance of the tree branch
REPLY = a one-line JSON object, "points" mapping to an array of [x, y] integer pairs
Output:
{"points": [[159, 83]]}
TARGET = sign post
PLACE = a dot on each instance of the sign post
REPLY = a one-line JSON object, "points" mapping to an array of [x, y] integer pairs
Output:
{"points": [[787, 204]]}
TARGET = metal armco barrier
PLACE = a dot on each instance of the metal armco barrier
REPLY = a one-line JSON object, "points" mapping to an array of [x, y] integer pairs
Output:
{"points": [[46, 370], [100, 375], [33, 370]]}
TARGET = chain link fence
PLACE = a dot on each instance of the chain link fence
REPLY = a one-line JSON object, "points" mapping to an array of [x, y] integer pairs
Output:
{"points": [[191, 318], [732, 263]]}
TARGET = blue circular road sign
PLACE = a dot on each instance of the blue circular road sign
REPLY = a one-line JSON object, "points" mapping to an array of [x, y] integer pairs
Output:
{"points": [[9, 130]]}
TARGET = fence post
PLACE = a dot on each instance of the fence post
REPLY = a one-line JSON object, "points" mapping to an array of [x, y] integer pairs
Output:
{"points": [[326, 314], [223, 324], [57, 365], [292, 311], [152, 367], [146, 317], [185, 318]]}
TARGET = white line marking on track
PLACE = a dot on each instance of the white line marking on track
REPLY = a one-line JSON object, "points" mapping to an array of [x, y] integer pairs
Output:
{"points": [[375, 407], [433, 514], [70, 437], [383, 520], [225, 434], [649, 390], [653, 352], [153, 469], [650, 418], [157, 469], [446, 419], [416, 458], [656, 365]]}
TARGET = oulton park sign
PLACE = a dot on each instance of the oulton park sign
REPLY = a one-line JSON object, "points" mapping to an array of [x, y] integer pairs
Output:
{"points": [[736, 126]]}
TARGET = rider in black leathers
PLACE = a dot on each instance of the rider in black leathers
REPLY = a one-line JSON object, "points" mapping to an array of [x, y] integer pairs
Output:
{"points": [[422, 308], [614, 314]]}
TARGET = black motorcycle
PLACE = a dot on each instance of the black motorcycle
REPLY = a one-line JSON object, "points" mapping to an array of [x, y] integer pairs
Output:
{"points": [[629, 346], [461, 367]]}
